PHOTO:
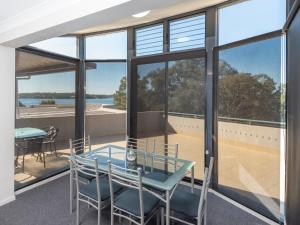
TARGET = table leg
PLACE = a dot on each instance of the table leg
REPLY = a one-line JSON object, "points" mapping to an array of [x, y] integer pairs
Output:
{"points": [[168, 207], [193, 178]]}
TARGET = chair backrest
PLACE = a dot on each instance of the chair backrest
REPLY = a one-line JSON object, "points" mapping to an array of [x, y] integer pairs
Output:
{"points": [[168, 149], [137, 143], [52, 133], [33, 145], [85, 166], [130, 179], [81, 145], [205, 186]]}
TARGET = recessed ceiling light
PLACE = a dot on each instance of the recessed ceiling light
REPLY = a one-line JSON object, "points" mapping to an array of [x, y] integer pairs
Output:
{"points": [[141, 14]]}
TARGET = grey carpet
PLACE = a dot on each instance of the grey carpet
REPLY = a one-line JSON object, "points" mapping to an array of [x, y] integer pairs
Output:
{"points": [[49, 205]]}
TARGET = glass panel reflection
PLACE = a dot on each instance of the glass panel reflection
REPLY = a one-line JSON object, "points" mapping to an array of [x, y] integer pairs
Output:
{"points": [[151, 101], [250, 124], [186, 90]]}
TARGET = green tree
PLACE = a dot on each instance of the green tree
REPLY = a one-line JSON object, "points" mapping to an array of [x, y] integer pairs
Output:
{"points": [[120, 95], [248, 96]]}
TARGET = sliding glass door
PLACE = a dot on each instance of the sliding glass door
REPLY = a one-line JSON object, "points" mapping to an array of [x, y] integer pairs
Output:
{"points": [[251, 127], [168, 98], [186, 109]]}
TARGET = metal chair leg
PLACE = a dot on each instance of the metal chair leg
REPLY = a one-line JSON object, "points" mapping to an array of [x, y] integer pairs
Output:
{"points": [[71, 193], [157, 218], [99, 213], [44, 159], [111, 215], [55, 149], [162, 216], [77, 210], [205, 214], [23, 163]]}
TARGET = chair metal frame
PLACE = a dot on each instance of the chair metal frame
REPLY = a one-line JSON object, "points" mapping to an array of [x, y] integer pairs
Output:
{"points": [[171, 150], [50, 139], [130, 179], [202, 208], [134, 142], [88, 167], [77, 146], [25, 150]]}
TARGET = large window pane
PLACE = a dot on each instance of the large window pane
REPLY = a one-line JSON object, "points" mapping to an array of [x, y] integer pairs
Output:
{"points": [[186, 91], [107, 46], [149, 40], [250, 18], [45, 106], [170, 107], [61, 45], [106, 96], [151, 101], [187, 33], [250, 124]]}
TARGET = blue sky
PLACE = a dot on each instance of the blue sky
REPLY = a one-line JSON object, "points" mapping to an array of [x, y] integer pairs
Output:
{"points": [[239, 21], [250, 18], [105, 79], [263, 57]]}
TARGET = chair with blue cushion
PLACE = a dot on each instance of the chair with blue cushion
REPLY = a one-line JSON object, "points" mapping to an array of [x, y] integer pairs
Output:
{"points": [[136, 203], [96, 193], [187, 207], [78, 147]]}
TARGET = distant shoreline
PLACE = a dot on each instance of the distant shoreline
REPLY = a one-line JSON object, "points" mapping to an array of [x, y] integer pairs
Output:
{"points": [[50, 95], [28, 102]]}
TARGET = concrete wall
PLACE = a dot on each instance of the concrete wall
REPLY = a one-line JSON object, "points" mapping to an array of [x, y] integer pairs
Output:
{"points": [[65, 124], [149, 122], [152, 122], [106, 125], [7, 117], [187, 126], [96, 125], [259, 136]]}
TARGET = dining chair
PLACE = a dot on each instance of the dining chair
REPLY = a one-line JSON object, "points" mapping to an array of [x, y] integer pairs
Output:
{"points": [[136, 203], [50, 139], [77, 147], [96, 193], [32, 146], [187, 207], [170, 150], [137, 143], [158, 164]]}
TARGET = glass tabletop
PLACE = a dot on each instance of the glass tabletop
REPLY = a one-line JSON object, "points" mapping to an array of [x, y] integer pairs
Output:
{"points": [[28, 132], [158, 171]]}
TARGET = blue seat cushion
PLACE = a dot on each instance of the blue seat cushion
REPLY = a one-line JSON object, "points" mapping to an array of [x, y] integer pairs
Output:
{"points": [[85, 176], [185, 202], [129, 201], [90, 189]]}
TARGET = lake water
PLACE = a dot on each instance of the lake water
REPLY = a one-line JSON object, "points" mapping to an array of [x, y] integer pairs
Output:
{"points": [[36, 101]]}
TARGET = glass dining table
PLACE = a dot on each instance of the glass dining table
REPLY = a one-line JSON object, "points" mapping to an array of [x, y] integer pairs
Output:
{"points": [[160, 172], [29, 132]]}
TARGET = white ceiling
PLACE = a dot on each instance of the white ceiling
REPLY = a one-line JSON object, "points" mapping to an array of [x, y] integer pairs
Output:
{"points": [[23, 22], [155, 14], [13, 7]]}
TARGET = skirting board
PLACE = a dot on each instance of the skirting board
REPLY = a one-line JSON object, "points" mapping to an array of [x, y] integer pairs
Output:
{"points": [[7, 200]]}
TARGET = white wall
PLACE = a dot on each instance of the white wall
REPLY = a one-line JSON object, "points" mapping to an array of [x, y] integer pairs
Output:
{"points": [[7, 123]]}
